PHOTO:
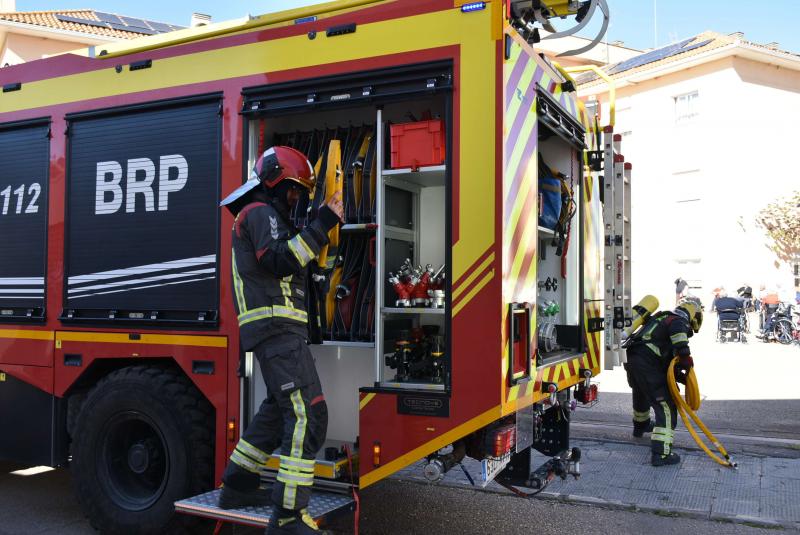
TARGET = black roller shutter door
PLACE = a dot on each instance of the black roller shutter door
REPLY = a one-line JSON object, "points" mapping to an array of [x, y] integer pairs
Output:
{"points": [[24, 167], [142, 215]]}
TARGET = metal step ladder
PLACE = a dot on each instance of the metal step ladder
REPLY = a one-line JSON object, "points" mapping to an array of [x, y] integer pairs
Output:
{"points": [[327, 499], [330, 495], [617, 246]]}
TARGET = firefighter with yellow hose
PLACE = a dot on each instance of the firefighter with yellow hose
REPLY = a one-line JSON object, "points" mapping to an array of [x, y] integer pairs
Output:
{"points": [[270, 264], [650, 352]]}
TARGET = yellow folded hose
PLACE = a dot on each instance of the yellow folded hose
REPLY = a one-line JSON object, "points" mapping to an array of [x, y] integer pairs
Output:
{"points": [[687, 408]]}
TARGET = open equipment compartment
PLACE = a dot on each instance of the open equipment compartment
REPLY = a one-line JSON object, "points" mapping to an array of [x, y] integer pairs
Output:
{"points": [[413, 331], [388, 226], [559, 321]]}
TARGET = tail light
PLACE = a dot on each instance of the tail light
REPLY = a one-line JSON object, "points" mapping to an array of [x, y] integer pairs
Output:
{"points": [[585, 394], [504, 438]]}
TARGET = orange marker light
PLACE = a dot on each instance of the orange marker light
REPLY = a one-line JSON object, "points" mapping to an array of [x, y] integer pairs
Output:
{"points": [[232, 429], [376, 454]]}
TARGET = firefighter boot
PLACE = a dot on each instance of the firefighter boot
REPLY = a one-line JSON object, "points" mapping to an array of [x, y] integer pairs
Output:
{"points": [[231, 498], [664, 460], [293, 523], [640, 428]]}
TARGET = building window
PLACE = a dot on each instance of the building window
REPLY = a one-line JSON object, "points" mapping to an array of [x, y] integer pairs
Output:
{"points": [[686, 107]]}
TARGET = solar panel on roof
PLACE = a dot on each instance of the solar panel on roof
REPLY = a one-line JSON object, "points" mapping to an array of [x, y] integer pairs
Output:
{"points": [[108, 17], [160, 26], [136, 23], [133, 29], [86, 22], [646, 58]]}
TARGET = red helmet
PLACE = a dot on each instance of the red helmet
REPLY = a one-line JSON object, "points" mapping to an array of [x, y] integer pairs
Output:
{"points": [[273, 167], [284, 163]]}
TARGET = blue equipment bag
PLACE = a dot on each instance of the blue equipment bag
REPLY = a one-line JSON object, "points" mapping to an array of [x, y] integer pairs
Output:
{"points": [[549, 197]]}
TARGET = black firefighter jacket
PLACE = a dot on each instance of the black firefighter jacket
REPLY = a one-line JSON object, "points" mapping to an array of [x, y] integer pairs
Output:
{"points": [[269, 259]]}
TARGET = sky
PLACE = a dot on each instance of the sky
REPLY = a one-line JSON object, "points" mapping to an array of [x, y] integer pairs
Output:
{"points": [[632, 21]]}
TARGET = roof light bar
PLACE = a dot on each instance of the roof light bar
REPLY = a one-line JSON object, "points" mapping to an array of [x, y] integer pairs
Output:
{"points": [[473, 6]]}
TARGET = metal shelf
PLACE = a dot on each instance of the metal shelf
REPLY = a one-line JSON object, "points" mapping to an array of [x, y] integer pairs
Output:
{"points": [[423, 177], [546, 231], [412, 310], [337, 343], [412, 386], [359, 227], [399, 233]]}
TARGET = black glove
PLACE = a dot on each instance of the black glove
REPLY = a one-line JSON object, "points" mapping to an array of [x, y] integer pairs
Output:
{"points": [[680, 375], [685, 363]]}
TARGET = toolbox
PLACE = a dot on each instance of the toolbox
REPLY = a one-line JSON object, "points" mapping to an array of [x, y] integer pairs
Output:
{"points": [[417, 144]]}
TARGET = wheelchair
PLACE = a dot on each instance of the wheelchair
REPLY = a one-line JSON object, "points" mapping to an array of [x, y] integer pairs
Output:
{"points": [[732, 325]]}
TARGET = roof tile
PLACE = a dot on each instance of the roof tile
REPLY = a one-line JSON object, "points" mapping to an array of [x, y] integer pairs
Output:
{"points": [[49, 19]]}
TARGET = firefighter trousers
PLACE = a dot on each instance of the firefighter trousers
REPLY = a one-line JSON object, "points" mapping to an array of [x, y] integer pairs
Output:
{"points": [[647, 378], [293, 417]]}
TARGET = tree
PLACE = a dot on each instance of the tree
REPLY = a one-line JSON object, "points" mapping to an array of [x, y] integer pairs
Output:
{"points": [[781, 220]]}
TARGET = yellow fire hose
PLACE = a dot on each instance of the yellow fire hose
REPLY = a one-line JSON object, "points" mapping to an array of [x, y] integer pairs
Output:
{"points": [[687, 408]]}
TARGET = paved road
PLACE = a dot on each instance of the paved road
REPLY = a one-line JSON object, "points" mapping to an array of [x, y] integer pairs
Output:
{"points": [[42, 504]]}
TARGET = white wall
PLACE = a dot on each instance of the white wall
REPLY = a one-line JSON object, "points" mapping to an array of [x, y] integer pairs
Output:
{"points": [[726, 163]]}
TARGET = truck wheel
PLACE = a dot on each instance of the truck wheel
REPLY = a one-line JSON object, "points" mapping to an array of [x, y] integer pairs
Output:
{"points": [[142, 440]]}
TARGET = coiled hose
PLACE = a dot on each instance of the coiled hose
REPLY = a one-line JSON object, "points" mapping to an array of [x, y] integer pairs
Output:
{"points": [[687, 408]]}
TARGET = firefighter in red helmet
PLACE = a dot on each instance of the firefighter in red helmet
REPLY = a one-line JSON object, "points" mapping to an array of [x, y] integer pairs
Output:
{"points": [[270, 261]]}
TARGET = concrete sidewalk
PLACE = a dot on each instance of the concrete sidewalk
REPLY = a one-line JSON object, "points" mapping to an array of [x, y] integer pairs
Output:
{"points": [[764, 491]]}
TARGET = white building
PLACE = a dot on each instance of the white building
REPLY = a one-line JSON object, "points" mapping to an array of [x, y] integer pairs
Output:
{"points": [[710, 125]]}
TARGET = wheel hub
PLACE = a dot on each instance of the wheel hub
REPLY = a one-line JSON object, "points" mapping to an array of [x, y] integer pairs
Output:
{"points": [[134, 461], [138, 458]]}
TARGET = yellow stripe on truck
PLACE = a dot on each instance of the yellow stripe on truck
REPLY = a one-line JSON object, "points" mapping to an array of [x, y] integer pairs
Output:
{"points": [[147, 339], [26, 334]]}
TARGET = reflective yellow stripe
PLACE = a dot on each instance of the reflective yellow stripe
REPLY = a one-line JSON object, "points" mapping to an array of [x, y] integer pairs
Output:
{"points": [[291, 479], [641, 416], [253, 452], [254, 315], [291, 313], [654, 348], [286, 290], [678, 338], [289, 495], [245, 462], [238, 286], [270, 312], [305, 246], [299, 435], [301, 464], [301, 251]]}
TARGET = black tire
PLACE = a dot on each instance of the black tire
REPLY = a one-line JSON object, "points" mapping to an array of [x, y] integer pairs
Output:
{"points": [[142, 440]]}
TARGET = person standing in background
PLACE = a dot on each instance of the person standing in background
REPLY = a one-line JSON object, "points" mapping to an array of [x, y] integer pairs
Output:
{"points": [[680, 289]]}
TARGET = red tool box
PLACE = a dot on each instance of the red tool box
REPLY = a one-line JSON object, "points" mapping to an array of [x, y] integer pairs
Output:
{"points": [[418, 144]]}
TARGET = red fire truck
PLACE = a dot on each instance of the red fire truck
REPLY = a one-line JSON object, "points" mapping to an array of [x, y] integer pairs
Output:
{"points": [[461, 147]]}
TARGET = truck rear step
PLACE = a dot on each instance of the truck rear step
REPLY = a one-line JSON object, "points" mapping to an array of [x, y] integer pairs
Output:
{"points": [[322, 505]]}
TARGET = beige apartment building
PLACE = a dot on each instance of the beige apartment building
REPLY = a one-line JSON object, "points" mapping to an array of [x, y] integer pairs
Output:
{"points": [[710, 125], [30, 35]]}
